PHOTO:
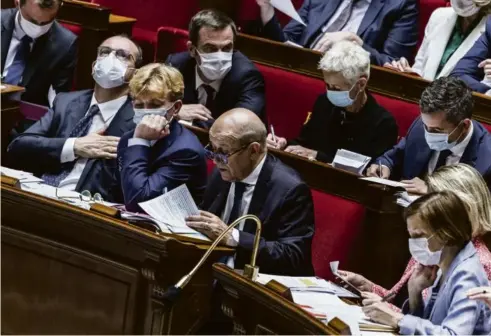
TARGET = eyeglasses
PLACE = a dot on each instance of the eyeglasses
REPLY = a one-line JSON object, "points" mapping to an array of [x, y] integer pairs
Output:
{"points": [[221, 157], [85, 196], [121, 54]]}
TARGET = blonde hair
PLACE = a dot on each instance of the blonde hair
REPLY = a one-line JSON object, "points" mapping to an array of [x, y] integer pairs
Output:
{"points": [[471, 188], [157, 80]]}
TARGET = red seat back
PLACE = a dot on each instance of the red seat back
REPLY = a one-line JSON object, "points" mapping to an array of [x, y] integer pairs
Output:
{"points": [[170, 40], [426, 8], [404, 113]]}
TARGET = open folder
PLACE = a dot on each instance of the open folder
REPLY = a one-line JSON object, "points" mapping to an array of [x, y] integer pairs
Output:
{"points": [[350, 161]]}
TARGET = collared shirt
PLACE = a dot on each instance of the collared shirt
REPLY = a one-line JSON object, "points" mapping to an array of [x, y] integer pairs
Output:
{"points": [[457, 152], [100, 121], [358, 12], [202, 95]]}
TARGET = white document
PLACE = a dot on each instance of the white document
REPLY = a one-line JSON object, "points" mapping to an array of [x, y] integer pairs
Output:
{"points": [[172, 208], [293, 44], [22, 176], [350, 161], [384, 181], [286, 7], [404, 199]]}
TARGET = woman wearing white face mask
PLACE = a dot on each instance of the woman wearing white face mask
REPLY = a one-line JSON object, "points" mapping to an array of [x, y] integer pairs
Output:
{"points": [[449, 34], [440, 232], [160, 154]]}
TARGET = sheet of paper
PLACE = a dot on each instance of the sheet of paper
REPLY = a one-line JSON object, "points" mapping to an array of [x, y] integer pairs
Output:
{"points": [[384, 181], [293, 44], [350, 161], [286, 7], [22, 176]]}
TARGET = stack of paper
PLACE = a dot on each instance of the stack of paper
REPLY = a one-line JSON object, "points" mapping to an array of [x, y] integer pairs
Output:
{"points": [[384, 181], [404, 199], [22, 176], [350, 161]]}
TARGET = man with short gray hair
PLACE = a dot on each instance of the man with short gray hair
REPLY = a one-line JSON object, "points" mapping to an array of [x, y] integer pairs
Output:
{"points": [[347, 117], [37, 52]]}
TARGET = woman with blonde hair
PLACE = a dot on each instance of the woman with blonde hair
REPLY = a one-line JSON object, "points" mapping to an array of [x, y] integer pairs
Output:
{"points": [[471, 188]]}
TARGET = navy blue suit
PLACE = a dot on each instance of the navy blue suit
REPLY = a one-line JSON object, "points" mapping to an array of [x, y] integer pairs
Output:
{"points": [[176, 159], [410, 157], [243, 86], [389, 28], [283, 203], [38, 149], [467, 68]]}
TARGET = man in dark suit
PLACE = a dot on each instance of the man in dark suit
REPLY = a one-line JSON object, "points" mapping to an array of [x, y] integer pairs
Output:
{"points": [[250, 181], [388, 29], [216, 77], [37, 52], [475, 67], [73, 146], [159, 154], [445, 134]]}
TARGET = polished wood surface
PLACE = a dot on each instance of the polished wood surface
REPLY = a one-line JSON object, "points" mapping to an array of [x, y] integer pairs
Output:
{"points": [[8, 89], [114, 19], [257, 310], [66, 270]]}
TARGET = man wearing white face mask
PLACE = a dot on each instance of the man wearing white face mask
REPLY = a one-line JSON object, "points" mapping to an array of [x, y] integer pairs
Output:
{"points": [[37, 52], [444, 134], [216, 77], [160, 154], [73, 146]]}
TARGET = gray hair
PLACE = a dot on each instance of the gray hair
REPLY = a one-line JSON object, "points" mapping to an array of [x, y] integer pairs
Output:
{"points": [[43, 3], [347, 58]]}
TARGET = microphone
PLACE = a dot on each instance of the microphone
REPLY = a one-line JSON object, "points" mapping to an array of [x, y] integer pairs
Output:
{"points": [[250, 270]]}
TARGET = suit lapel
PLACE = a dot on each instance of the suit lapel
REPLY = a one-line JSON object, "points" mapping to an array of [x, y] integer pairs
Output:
{"points": [[470, 154], [464, 47], [320, 20], [439, 39], [190, 94], [76, 110], [42, 51], [421, 160], [7, 32], [218, 204], [370, 16]]}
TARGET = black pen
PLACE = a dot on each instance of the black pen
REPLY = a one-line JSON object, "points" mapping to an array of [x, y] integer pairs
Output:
{"points": [[388, 297]]}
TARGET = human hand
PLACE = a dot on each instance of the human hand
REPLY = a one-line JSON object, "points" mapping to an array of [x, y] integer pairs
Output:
{"points": [[302, 151], [267, 10], [280, 143], [152, 127], [480, 293], [330, 38], [374, 171], [370, 298], [422, 277], [192, 112], [357, 280], [401, 65], [96, 146], [380, 312], [211, 226], [486, 65], [415, 186]]}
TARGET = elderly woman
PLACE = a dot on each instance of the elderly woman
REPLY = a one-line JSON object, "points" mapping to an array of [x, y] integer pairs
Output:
{"points": [[440, 231], [347, 117], [160, 154], [449, 34]]}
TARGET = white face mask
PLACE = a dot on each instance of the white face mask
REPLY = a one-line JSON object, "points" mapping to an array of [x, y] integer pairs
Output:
{"points": [[140, 113], [439, 141], [464, 8], [215, 66], [421, 253], [109, 71], [33, 30]]}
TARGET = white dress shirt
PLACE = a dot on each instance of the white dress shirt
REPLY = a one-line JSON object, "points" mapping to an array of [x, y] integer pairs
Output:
{"points": [[357, 14], [100, 121], [457, 152]]}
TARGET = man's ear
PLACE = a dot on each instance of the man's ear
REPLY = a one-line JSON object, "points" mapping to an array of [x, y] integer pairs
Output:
{"points": [[191, 49], [177, 108], [363, 82], [17, 3]]}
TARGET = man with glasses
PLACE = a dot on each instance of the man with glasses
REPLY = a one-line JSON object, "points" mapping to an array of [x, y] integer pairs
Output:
{"points": [[73, 146], [37, 52], [216, 77], [248, 180]]}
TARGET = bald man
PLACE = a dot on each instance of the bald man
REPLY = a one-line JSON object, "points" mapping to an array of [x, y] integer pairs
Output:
{"points": [[73, 146], [248, 180]]}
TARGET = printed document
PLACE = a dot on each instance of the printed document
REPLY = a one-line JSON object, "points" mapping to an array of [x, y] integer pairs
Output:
{"points": [[286, 7], [350, 161], [384, 181]]}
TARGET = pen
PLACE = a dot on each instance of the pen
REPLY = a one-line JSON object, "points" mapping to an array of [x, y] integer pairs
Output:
{"points": [[388, 297], [380, 169], [272, 132]]}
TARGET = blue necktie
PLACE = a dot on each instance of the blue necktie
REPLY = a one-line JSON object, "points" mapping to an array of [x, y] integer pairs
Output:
{"points": [[238, 194], [442, 158], [16, 69], [81, 129]]}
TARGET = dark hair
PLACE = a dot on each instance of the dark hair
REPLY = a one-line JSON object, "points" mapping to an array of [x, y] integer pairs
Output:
{"points": [[212, 19], [448, 94], [43, 3], [446, 216], [139, 56]]}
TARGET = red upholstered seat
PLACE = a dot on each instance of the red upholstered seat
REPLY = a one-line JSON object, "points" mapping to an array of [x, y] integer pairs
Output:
{"points": [[487, 126], [404, 112], [426, 7], [32, 111], [76, 29], [170, 40]]}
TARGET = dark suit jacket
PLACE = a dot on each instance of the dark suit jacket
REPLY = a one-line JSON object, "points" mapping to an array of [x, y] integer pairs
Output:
{"points": [[51, 62], [283, 203], [389, 28], [370, 132], [176, 159], [243, 86], [410, 157], [39, 148], [467, 68]]}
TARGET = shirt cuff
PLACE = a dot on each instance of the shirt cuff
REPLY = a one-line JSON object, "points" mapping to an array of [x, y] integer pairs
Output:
{"points": [[185, 122], [138, 142], [235, 237], [488, 93], [68, 153], [407, 325]]}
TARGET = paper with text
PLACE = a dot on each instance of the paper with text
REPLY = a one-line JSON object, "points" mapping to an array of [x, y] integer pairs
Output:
{"points": [[384, 181], [286, 7], [350, 161]]}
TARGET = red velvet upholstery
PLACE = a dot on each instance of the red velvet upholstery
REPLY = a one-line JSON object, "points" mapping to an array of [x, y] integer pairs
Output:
{"points": [[426, 7], [170, 40], [76, 29], [487, 126], [404, 112], [32, 111]]}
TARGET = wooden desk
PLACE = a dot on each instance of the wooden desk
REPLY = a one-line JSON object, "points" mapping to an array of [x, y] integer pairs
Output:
{"points": [[66, 270], [10, 113], [121, 24]]}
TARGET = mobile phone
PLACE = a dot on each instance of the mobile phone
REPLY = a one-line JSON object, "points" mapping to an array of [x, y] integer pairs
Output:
{"points": [[345, 284]]}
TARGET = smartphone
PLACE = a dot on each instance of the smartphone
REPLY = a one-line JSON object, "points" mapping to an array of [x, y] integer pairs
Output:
{"points": [[345, 284]]}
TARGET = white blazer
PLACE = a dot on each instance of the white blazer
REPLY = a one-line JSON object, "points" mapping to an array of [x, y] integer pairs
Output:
{"points": [[437, 33]]}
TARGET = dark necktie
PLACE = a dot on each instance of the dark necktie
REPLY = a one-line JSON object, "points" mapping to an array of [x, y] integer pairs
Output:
{"points": [[238, 195], [337, 24], [210, 97], [442, 158], [16, 69], [81, 129]]}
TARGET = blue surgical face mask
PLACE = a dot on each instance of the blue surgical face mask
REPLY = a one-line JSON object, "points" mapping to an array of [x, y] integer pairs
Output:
{"points": [[140, 113], [439, 141], [340, 98]]}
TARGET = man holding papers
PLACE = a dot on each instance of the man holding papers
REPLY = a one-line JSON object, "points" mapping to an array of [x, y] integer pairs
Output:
{"points": [[159, 154], [250, 181], [445, 134]]}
